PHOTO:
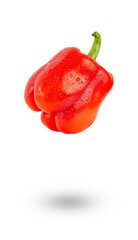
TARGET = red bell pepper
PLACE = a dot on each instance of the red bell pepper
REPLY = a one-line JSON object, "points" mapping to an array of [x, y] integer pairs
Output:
{"points": [[69, 89]]}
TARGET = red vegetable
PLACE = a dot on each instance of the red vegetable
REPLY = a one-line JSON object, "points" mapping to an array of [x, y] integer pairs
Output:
{"points": [[69, 89]]}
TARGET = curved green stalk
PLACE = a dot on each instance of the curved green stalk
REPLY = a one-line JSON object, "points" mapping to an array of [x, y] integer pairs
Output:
{"points": [[93, 53]]}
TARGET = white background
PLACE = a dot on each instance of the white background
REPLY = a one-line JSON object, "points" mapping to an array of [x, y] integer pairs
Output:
{"points": [[57, 186]]}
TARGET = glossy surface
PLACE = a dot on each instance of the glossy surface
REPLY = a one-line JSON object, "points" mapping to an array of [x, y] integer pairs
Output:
{"points": [[68, 90]]}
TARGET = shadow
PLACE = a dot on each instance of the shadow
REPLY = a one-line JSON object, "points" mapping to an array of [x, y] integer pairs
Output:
{"points": [[69, 201]]}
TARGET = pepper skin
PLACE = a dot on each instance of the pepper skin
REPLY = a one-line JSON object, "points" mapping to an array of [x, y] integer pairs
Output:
{"points": [[69, 89]]}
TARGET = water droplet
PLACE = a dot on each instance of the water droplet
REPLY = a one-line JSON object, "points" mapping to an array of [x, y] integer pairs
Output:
{"points": [[77, 79], [71, 75]]}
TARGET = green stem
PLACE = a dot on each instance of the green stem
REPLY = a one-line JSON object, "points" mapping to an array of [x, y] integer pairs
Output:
{"points": [[93, 53]]}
